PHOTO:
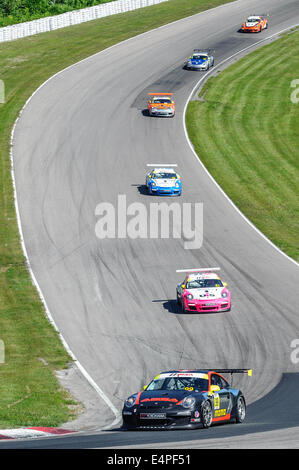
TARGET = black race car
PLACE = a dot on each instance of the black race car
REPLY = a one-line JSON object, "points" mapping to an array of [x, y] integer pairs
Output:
{"points": [[185, 399]]}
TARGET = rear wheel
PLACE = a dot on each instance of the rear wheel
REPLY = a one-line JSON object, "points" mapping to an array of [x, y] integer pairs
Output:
{"points": [[240, 409], [206, 414]]}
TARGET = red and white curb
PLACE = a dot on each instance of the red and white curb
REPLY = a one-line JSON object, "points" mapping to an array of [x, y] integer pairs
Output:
{"points": [[24, 433]]}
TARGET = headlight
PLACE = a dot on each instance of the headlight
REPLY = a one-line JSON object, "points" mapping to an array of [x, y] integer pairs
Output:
{"points": [[153, 183], [189, 296], [177, 184], [188, 402], [224, 294], [130, 402]]}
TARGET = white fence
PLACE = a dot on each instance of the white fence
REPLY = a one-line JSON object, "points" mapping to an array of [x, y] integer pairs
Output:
{"points": [[50, 23]]}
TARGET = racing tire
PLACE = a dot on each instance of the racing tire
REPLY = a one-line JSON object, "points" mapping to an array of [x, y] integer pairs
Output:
{"points": [[206, 414], [181, 304], [240, 409]]}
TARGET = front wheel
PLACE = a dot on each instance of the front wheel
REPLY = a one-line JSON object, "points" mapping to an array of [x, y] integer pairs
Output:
{"points": [[181, 303], [206, 414]]}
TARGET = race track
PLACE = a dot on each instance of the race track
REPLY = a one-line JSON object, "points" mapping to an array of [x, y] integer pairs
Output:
{"points": [[84, 139]]}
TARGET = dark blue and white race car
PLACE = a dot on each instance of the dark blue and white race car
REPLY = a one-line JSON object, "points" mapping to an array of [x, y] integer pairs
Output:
{"points": [[200, 60], [186, 399], [163, 181]]}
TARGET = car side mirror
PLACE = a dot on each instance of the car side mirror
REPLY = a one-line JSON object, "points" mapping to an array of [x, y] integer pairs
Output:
{"points": [[214, 388], [224, 284], [183, 286], [144, 387]]}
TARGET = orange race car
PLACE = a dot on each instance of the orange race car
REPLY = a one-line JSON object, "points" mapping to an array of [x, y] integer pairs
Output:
{"points": [[161, 104], [254, 24]]}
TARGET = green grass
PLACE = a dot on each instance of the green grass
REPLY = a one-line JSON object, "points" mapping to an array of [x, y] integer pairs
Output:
{"points": [[29, 391], [245, 131]]}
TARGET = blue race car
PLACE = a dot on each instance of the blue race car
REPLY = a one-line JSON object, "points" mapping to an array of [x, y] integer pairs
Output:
{"points": [[163, 182], [200, 60]]}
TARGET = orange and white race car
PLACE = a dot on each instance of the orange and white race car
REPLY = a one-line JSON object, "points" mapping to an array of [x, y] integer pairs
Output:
{"points": [[161, 104], [254, 24]]}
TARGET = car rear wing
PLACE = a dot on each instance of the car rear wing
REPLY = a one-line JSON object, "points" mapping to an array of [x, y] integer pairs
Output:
{"points": [[199, 270], [160, 94], [163, 165], [202, 51], [231, 371]]}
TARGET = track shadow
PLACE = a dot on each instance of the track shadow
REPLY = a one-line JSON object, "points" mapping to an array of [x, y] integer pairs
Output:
{"points": [[142, 189]]}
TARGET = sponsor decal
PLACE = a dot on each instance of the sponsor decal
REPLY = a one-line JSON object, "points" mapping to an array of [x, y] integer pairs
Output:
{"points": [[152, 415]]}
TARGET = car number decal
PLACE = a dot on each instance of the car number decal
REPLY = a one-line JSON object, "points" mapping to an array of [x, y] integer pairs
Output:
{"points": [[216, 401]]}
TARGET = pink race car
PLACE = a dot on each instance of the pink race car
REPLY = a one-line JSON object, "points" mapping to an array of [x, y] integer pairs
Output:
{"points": [[203, 291]]}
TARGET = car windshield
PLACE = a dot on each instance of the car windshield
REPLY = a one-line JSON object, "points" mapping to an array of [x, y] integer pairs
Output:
{"points": [[253, 20], [199, 57], [164, 176], [162, 100], [179, 383], [199, 283]]}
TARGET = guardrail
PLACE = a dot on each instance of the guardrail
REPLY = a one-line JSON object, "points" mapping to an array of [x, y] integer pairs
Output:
{"points": [[50, 23]]}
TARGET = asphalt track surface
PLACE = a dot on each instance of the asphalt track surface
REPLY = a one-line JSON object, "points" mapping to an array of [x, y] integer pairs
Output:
{"points": [[85, 138]]}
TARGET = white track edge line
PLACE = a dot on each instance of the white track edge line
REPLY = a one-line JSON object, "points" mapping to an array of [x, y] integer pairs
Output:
{"points": [[200, 162], [47, 311]]}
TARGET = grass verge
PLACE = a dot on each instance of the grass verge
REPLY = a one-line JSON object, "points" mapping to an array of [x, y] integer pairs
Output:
{"points": [[245, 131], [30, 394]]}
